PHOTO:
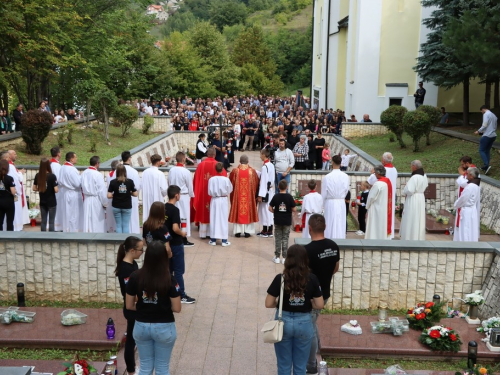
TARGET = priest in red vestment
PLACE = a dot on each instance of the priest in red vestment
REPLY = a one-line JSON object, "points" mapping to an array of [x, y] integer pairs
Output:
{"points": [[243, 204], [201, 201]]}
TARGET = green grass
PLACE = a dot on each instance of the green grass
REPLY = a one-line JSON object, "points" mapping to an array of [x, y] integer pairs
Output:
{"points": [[81, 145], [54, 354], [366, 312], [65, 304], [298, 21], [368, 363], [440, 157]]}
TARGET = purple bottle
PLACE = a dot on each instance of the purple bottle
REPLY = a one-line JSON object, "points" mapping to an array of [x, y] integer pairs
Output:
{"points": [[110, 329]]}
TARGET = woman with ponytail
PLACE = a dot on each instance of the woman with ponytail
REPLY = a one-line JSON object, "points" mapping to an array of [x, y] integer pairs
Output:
{"points": [[154, 228], [128, 252]]}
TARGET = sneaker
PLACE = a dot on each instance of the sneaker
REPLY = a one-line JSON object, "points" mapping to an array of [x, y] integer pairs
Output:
{"points": [[262, 234], [187, 299], [283, 261], [213, 243], [237, 235], [487, 170], [276, 260], [360, 233], [188, 244], [226, 243], [270, 234]]}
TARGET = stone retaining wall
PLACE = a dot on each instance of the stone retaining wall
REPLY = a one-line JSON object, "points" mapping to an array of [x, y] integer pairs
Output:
{"points": [[162, 124], [363, 129], [491, 289]]}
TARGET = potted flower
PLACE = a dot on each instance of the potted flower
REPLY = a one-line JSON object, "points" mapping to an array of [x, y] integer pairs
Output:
{"points": [[474, 300], [478, 370], [441, 338], [425, 315], [487, 325], [33, 213], [78, 367]]}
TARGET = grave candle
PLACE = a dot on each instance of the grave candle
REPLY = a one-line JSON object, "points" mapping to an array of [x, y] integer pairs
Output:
{"points": [[472, 354], [436, 299], [382, 312]]}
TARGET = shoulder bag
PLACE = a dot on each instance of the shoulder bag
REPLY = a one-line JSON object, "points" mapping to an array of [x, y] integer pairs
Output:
{"points": [[273, 330]]}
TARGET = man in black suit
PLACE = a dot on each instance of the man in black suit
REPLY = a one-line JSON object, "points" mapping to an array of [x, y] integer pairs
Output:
{"points": [[17, 114]]}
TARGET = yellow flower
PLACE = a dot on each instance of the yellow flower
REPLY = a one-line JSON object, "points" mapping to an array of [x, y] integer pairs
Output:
{"points": [[483, 371], [411, 315], [427, 311]]}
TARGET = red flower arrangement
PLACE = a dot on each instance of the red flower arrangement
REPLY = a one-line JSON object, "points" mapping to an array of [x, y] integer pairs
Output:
{"points": [[425, 315], [78, 367], [440, 338]]}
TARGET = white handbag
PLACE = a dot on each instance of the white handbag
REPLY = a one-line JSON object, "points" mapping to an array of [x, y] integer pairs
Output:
{"points": [[273, 330]]}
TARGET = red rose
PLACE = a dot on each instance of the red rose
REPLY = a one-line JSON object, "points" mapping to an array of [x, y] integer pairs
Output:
{"points": [[419, 304], [428, 305], [435, 334], [410, 311], [453, 337], [420, 316], [451, 329]]}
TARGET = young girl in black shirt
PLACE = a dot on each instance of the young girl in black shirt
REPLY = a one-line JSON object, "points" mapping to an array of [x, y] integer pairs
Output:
{"points": [[154, 228], [46, 184], [128, 252]]}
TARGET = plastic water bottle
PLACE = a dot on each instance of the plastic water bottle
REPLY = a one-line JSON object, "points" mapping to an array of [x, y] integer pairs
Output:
{"points": [[322, 368]]}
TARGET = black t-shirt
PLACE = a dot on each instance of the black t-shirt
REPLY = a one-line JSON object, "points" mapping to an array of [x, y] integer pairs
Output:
{"points": [[122, 193], [282, 204], [48, 197], [364, 199], [173, 216], [296, 303], [157, 309], [159, 234], [5, 186], [249, 128], [319, 142], [126, 269], [323, 257]]}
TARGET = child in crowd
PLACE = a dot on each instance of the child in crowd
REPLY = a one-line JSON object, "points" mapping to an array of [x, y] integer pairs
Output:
{"points": [[282, 205], [365, 189], [154, 228], [312, 204], [325, 155], [346, 158]]}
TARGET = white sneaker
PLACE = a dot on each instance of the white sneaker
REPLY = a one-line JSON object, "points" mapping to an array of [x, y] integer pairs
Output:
{"points": [[276, 260], [360, 233], [283, 260], [213, 243], [226, 243]]}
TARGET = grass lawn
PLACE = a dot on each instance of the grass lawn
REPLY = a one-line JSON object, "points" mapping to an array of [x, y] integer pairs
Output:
{"points": [[440, 157], [66, 304], [81, 145], [55, 354], [375, 363]]}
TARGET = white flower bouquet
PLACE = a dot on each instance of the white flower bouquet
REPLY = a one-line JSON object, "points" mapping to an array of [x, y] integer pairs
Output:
{"points": [[487, 325], [33, 213], [474, 299]]}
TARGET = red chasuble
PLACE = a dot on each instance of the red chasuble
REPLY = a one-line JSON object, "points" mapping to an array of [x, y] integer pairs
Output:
{"points": [[201, 201], [389, 204], [243, 204]]}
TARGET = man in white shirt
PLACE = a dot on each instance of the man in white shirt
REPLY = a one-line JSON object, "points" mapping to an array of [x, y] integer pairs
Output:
{"points": [[283, 162], [70, 188], [265, 194], [180, 176], [154, 185], [134, 176], [333, 191], [219, 188], [95, 198]]}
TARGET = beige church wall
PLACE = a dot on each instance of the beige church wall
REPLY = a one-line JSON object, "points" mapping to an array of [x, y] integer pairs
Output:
{"points": [[453, 98]]}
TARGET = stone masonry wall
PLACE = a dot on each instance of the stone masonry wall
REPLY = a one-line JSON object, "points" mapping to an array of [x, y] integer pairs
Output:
{"points": [[362, 129], [491, 291], [162, 124]]}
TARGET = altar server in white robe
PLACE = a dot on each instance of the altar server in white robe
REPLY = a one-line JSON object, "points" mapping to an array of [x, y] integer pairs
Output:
{"points": [[413, 221], [110, 218], [154, 185], [18, 222], [179, 175], [379, 206], [311, 204], [334, 189], [462, 181], [95, 198], [467, 227], [219, 188], [134, 176], [55, 153], [392, 174], [265, 194], [70, 188], [24, 217]]}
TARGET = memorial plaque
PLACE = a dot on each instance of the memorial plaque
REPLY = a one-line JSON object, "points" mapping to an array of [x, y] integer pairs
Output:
{"points": [[430, 192], [162, 150], [139, 160], [304, 189], [172, 141], [168, 145], [155, 150], [148, 156], [15, 370]]}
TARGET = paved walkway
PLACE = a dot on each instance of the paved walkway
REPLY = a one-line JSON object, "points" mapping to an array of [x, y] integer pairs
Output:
{"points": [[465, 137]]}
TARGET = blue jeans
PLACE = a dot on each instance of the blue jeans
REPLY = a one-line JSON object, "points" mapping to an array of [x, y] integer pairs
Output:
{"points": [[294, 348], [178, 266], [485, 144], [155, 342], [122, 218], [279, 177], [312, 363]]}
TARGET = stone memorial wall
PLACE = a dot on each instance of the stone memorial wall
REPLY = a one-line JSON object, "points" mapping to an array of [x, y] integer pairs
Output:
{"points": [[162, 124], [363, 129], [491, 289]]}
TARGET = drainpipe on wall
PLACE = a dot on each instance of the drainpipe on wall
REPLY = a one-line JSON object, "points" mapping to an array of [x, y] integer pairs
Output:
{"points": [[311, 100], [327, 55]]}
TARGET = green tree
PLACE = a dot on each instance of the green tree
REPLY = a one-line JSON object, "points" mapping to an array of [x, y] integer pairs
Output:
{"points": [[414, 122], [227, 12], [392, 118], [179, 21], [434, 115], [106, 102], [124, 116]]}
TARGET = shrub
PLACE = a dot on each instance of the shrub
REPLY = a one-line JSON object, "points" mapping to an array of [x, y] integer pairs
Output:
{"points": [[125, 116], [415, 123], [36, 127], [94, 139], [147, 124], [71, 129], [392, 118], [434, 116], [60, 137]]}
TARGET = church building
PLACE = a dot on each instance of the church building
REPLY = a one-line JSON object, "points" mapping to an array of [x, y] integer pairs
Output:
{"points": [[364, 52]]}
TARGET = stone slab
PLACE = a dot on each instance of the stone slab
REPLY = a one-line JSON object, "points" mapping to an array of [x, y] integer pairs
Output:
{"points": [[15, 370], [45, 367]]}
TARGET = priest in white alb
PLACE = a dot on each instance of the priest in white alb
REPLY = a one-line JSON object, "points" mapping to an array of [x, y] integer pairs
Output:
{"points": [[154, 185], [219, 188], [18, 217], [334, 188], [413, 221], [21, 209], [95, 198], [462, 181], [392, 174], [134, 176], [70, 188], [265, 194], [179, 175], [311, 204], [379, 206], [468, 209], [55, 153]]}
